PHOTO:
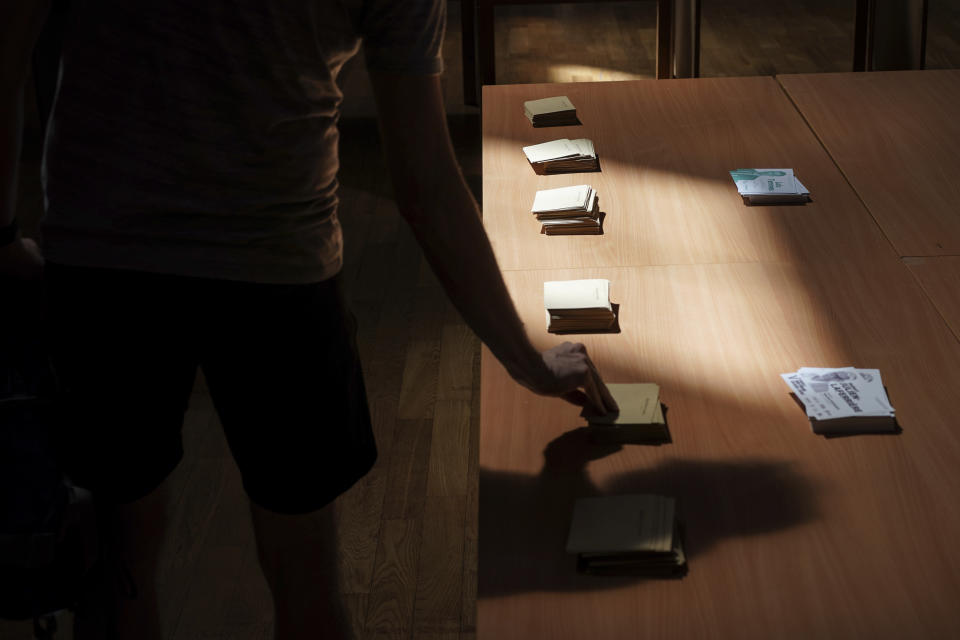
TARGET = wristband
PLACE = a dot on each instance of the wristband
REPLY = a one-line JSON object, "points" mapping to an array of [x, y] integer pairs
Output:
{"points": [[8, 233]]}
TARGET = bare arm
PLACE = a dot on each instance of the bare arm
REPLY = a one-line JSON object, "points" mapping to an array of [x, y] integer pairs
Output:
{"points": [[437, 204], [21, 22]]}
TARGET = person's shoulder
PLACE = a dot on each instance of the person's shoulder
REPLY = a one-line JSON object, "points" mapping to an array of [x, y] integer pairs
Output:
{"points": [[404, 36]]}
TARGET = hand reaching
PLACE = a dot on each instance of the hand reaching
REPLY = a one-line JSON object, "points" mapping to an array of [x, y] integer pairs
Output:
{"points": [[566, 369]]}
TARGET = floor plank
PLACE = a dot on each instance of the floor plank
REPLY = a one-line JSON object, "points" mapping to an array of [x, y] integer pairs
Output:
{"points": [[449, 449], [395, 582], [407, 478], [440, 573], [458, 347]]}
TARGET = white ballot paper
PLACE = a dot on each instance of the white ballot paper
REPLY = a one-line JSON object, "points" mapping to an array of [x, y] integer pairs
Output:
{"points": [[576, 198], [553, 150], [576, 294], [578, 305], [584, 147], [562, 156], [831, 394]]}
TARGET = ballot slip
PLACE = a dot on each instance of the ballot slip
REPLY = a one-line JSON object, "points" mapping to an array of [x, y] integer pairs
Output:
{"points": [[627, 535], [562, 156], [568, 210], [551, 112], [639, 416], [769, 186], [843, 400], [578, 305]]}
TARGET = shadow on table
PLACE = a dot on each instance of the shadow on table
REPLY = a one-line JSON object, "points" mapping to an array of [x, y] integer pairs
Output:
{"points": [[524, 519]]}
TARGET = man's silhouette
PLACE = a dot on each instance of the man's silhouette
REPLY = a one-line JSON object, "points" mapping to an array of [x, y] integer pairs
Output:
{"points": [[191, 221]]}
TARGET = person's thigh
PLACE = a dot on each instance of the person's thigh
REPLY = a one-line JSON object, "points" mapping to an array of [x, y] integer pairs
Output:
{"points": [[284, 374], [120, 345]]}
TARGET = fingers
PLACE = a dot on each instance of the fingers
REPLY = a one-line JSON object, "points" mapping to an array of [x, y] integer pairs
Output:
{"points": [[572, 371], [599, 398], [606, 398], [576, 347], [592, 391]]}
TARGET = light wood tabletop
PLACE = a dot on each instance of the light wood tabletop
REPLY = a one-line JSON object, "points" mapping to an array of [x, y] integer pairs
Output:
{"points": [[665, 151], [940, 278], [788, 534], [895, 136]]}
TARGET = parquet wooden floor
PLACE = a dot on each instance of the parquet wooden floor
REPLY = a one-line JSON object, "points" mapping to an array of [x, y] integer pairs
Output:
{"points": [[409, 529]]}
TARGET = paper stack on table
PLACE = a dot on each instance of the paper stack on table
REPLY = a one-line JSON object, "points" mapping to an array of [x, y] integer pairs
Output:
{"points": [[551, 112], [627, 535], [567, 210], [844, 400], [639, 418], [578, 305], [562, 156], [769, 186]]}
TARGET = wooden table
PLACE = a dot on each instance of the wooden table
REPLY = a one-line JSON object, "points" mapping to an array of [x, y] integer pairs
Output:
{"points": [[940, 278], [665, 151], [895, 137], [788, 534]]}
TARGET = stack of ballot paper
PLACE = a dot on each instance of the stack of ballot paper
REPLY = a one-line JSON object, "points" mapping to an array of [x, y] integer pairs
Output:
{"points": [[567, 210], [627, 535], [845, 400], [562, 156], [551, 112], [578, 305], [638, 419], [769, 186]]}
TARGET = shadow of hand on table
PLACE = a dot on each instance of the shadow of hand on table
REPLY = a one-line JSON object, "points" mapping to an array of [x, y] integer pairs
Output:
{"points": [[524, 519]]}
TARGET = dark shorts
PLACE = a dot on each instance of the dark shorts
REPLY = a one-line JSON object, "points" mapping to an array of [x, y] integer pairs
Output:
{"points": [[280, 362]]}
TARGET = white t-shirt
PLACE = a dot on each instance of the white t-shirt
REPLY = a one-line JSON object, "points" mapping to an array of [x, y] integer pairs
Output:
{"points": [[198, 137]]}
